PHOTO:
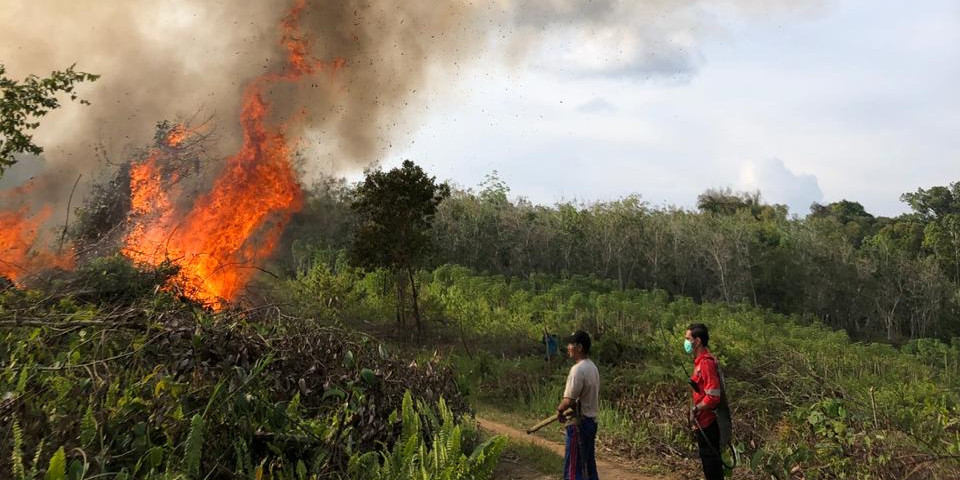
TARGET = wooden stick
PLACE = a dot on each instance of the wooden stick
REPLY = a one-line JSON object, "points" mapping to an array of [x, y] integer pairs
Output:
{"points": [[66, 223], [548, 421]]}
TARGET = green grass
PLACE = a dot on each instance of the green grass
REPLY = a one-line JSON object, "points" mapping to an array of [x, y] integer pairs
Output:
{"points": [[538, 458]]}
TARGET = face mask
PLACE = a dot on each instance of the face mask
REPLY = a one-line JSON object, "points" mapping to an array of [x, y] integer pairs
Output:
{"points": [[687, 346]]}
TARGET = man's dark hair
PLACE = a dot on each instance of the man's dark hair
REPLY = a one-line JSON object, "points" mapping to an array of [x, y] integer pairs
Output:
{"points": [[582, 338], [699, 330]]}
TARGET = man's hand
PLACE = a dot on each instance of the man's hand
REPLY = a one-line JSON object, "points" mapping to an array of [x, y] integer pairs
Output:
{"points": [[564, 405]]}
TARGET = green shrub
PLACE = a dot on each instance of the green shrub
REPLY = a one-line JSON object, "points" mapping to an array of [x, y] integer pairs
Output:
{"points": [[442, 458], [116, 279]]}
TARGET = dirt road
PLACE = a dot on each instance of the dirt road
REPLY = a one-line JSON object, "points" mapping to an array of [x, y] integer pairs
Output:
{"points": [[605, 469]]}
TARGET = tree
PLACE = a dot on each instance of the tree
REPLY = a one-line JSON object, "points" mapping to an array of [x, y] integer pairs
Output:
{"points": [[395, 212], [23, 103], [934, 202], [845, 211], [943, 238], [725, 201], [855, 221]]}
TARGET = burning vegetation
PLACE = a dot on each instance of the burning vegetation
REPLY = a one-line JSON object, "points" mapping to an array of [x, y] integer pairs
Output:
{"points": [[20, 231], [219, 237]]}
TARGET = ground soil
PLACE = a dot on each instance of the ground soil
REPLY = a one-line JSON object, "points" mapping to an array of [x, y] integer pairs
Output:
{"points": [[607, 468]]}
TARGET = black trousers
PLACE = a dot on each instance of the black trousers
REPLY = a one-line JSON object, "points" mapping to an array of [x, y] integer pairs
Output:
{"points": [[712, 465]]}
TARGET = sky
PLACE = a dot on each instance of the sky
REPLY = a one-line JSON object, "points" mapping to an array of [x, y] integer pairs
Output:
{"points": [[839, 99], [566, 100]]}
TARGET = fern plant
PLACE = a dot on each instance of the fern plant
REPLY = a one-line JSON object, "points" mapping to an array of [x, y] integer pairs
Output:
{"points": [[194, 447], [57, 469], [444, 459], [16, 457]]}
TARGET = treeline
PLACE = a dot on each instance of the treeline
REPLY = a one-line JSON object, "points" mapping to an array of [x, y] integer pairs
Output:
{"points": [[875, 277]]}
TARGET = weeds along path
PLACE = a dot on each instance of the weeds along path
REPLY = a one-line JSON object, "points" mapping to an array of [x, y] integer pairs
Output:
{"points": [[607, 470]]}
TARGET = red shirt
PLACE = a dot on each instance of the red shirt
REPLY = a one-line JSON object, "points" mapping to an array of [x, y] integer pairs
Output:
{"points": [[707, 376]]}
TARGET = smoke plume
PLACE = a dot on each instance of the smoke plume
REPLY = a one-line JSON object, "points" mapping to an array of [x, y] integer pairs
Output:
{"points": [[335, 81], [185, 59], [181, 59]]}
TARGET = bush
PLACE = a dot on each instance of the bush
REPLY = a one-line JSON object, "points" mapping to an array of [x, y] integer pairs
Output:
{"points": [[443, 458], [116, 279], [183, 393]]}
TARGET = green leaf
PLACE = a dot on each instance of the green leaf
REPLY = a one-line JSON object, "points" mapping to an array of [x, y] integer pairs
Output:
{"points": [[16, 457], [88, 427], [368, 376], [194, 447], [23, 102], [57, 470], [301, 470], [334, 392]]}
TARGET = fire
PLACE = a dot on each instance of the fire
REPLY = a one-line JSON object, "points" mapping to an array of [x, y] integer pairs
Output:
{"points": [[177, 135], [219, 239], [22, 249], [151, 212], [229, 231]]}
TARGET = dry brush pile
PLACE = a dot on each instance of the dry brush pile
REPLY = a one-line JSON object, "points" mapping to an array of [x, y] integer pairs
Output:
{"points": [[150, 386]]}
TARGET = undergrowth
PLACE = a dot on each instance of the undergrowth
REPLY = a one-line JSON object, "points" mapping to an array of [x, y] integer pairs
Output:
{"points": [[148, 386], [808, 402]]}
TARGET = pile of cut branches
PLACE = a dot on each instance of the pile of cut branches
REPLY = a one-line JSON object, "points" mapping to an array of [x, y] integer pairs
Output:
{"points": [[164, 387]]}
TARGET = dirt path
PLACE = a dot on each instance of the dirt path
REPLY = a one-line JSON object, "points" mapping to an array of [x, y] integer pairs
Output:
{"points": [[605, 469]]}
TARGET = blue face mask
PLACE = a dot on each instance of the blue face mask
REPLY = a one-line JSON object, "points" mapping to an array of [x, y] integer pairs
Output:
{"points": [[687, 346]]}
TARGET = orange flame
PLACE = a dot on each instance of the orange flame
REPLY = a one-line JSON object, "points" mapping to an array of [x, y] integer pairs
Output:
{"points": [[219, 241], [22, 250], [151, 212], [177, 135], [229, 231]]}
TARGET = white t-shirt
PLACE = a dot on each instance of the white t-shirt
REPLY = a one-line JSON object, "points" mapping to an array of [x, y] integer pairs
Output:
{"points": [[583, 384]]}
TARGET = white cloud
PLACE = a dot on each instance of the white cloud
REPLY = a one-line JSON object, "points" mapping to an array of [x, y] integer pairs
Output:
{"points": [[648, 40], [597, 105], [851, 96], [778, 184]]}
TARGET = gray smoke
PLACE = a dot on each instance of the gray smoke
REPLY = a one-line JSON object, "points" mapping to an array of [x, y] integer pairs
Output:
{"points": [[180, 59], [173, 59]]}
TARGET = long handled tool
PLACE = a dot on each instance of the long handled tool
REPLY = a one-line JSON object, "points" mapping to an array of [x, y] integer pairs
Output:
{"points": [[547, 421]]}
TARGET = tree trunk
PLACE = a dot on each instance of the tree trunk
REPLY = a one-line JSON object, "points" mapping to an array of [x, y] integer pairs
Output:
{"points": [[416, 306], [620, 281], [723, 277], [401, 321]]}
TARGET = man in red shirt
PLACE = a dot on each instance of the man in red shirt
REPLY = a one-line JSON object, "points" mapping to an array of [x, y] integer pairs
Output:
{"points": [[707, 395]]}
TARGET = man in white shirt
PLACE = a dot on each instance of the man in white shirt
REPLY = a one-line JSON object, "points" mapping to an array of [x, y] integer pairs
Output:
{"points": [[582, 393]]}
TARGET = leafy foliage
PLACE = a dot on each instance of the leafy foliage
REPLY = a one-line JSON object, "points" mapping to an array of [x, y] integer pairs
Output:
{"points": [[22, 102], [875, 277], [167, 390], [57, 470], [442, 459], [115, 279], [395, 211], [193, 447], [807, 400], [103, 212]]}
